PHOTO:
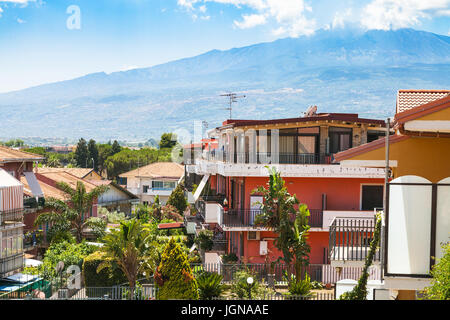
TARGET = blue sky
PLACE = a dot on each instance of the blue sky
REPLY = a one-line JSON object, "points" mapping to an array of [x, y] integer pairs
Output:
{"points": [[37, 46]]}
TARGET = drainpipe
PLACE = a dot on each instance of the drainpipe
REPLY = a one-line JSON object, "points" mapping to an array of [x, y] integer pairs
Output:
{"points": [[386, 180]]}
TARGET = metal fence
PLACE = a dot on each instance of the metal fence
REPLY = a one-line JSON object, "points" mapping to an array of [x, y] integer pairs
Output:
{"points": [[147, 292], [350, 239], [323, 273], [279, 296]]}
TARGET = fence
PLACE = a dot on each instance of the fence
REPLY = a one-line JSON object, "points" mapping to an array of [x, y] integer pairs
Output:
{"points": [[279, 296], [350, 239], [323, 273], [147, 292]]}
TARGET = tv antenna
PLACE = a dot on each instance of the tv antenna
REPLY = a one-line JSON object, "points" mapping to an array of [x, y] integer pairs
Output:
{"points": [[232, 97]]}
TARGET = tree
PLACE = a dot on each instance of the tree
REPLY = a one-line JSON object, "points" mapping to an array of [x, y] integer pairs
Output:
{"points": [[131, 247], [115, 148], [81, 154], [177, 199], [174, 276], [168, 140], [93, 154], [440, 283], [285, 214], [359, 292], [72, 214]]}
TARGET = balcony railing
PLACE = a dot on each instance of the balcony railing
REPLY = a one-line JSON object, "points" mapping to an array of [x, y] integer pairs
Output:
{"points": [[315, 218], [350, 238], [11, 263], [11, 216], [240, 217], [266, 158]]}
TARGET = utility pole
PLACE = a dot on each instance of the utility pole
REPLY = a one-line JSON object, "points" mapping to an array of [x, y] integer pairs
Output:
{"points": [[232, 97]]}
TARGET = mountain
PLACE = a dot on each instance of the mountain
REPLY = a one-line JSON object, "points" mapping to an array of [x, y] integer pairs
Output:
{"points": [[337, 70]]}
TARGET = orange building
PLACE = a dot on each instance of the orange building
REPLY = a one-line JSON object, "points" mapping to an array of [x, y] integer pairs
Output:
{"points": [[302, 149]]}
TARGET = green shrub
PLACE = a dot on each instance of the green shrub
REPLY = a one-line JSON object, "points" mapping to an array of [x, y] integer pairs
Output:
{"points": [[300, 287], [204, 240], [230, 258], [439, 288], [240, 287], [209, 285], [174, 276], [107, 277], [177, 199]]}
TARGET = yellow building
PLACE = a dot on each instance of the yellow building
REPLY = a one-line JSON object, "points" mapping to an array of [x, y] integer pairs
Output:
{"points": [[417, 212]]}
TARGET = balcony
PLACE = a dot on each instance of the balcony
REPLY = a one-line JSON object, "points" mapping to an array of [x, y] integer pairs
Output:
{"points": [[349, 241], [11, 263], [11, 217], [264, 158], [241, 218]]}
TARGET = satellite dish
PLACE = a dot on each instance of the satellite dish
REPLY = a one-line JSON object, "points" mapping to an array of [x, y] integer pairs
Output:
{"points": [[310, 111]]}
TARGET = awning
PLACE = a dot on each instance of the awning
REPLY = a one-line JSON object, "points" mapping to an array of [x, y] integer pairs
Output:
{"points": [[32, 263], [173, 225], [201, 186], [33, 184]]}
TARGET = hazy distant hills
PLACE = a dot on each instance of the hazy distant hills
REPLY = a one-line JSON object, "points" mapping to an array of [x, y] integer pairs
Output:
{"points": [[339, 71]]}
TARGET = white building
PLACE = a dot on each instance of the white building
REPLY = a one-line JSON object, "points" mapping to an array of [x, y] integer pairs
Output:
{"points": [[156, 179]]}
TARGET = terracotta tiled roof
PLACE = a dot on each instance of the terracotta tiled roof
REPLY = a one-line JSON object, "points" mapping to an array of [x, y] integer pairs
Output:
{"points": [[168, 170], [66, 177], [48, 190], [77, 172], [11, 155], [423, 110], [408, 99]]}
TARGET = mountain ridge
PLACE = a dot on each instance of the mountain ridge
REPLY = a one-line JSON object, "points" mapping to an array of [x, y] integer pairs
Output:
{"points": [[352, 68]]}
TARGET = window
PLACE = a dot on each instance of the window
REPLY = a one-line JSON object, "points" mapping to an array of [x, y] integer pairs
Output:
{"points": [[145, 189], [340, 139], [371, 197], [373, 135], [169, 184], [157, 184]]}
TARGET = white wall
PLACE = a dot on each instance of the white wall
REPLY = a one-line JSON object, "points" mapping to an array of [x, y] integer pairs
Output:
{"points": [[409, 230]]}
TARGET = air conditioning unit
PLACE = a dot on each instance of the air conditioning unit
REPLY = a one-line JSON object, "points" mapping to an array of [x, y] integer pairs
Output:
{"points": [[253, 235]]}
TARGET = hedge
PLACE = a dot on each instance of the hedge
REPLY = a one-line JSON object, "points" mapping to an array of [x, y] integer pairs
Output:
{"points": [[107, 277]]}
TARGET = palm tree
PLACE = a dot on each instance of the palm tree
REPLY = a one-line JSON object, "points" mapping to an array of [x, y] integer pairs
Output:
{"points": [[71, 215], [132, 248]]}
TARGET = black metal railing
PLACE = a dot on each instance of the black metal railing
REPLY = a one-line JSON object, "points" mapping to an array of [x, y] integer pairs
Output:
{"points": [[323, 273], [241, 217], [350, 238], [11, 263], [315, 218], [11, 216]]}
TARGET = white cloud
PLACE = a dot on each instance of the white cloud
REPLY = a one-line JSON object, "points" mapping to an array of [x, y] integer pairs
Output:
{"points": [[250, 21], [288, 15], [340, 18], [394, 14], [20, 21]]}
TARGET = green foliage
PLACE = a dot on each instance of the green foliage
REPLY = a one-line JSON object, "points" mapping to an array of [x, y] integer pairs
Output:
{"points": [[70, 215], [299, 286], [241, 289], [112, 217], [439, 288], [132, 248], [97, 225], [107, 277], [177, 199], [209, 285], [174, 276], [204, 239], [82, 154], [169, 212], [127, 160], [288, 218], [359, 292], [168, 140], [92, 154], [67, 252], [230, 258]]}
